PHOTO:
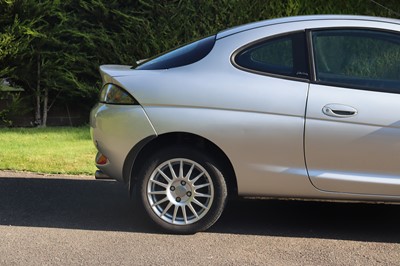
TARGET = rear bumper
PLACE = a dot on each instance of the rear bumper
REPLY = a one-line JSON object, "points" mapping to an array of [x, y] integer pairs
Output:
{"points": [[100, 175], [115, 131]]}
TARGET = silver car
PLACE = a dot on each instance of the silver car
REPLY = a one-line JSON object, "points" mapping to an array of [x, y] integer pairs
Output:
{"points": [[302, 107]]}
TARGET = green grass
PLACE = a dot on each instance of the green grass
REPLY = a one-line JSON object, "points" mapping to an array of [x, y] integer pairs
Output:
{"points": [[56, 150]]}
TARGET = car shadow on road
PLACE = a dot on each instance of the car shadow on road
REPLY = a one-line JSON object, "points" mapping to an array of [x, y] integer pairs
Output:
{"points": [[310, 219], [105, 205]]}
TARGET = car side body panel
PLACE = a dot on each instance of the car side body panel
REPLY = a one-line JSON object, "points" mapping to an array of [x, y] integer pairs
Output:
{"points": [[357, 154], [257, 120]]}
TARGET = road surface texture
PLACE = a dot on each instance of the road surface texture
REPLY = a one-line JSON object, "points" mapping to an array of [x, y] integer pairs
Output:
{"points": [[58, 220]]}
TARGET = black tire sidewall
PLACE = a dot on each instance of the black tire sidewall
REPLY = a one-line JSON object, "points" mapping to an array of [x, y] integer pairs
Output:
{"points": [[215, 173]]}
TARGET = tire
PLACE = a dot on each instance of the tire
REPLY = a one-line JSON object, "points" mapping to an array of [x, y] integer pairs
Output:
{"points": [[182, 190]]}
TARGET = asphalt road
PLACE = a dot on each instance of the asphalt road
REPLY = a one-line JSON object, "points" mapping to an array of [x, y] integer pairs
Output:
{"points": [[47, 220]]}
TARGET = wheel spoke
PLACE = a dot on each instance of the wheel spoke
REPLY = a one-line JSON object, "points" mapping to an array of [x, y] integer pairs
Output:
{"points": [[189, 173], [184, 214], [201, 195], [164, 175], [174, 215], [159, 183], [197, 178], [163, 192], [200, 204], [166, 209], [181, 169], [172, 171], [202, 185], [159, 202], [193, 210]]}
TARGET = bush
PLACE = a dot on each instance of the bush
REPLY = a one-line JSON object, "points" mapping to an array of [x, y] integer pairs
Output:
{"points": [[15, 105]]}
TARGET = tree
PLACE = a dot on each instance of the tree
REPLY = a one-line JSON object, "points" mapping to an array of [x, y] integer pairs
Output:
{"points": [[53, 48], [42, 61]]}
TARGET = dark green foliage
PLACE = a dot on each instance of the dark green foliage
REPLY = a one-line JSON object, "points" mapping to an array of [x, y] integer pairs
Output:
{"points": [[53, 48], [14, 106]]}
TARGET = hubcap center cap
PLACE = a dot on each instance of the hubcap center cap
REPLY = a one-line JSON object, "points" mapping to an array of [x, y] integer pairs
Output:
{"points": [[180, 191]]}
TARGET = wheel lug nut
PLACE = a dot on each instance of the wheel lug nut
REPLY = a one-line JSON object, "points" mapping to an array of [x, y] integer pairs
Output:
{"points": [[178, 199], [183, 183], [172, 188], [189, 194]]}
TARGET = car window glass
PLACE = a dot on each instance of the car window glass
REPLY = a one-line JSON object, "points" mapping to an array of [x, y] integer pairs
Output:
{"points": [[185, 55], [273, 56], [359, 58], [276, 56]]}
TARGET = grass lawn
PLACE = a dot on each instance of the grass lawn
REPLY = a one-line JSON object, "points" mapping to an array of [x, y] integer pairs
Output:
{"points": [[55, 150]]}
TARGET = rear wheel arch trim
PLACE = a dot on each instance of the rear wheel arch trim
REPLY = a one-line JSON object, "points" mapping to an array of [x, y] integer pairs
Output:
{"points": [[144, 145], [131, 157]]}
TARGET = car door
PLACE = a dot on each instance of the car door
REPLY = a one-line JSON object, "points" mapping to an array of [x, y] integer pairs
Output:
{"points": [[352, 132]]}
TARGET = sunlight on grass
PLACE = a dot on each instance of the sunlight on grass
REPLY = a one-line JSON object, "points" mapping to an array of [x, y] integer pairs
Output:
{"points": [[58, 150]]}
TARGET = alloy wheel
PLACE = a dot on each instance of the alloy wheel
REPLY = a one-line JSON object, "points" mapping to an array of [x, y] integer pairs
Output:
{"points": [[180, 191]]}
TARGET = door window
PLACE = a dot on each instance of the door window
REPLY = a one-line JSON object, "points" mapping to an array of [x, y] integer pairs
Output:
{"points": [[364, 59]]}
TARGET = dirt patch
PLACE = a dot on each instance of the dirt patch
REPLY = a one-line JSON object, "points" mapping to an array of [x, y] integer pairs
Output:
{"points": [[24, 174]]}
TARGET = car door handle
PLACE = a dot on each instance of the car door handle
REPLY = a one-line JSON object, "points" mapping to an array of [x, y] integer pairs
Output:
{"points": [[339, 110]]}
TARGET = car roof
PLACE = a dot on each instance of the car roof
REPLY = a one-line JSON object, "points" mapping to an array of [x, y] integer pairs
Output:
{"points": [[269, 22]]}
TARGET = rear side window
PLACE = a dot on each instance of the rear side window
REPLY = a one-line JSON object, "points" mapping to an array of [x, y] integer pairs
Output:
{"points": [[284, 55], [366, 59], [185, 55]]}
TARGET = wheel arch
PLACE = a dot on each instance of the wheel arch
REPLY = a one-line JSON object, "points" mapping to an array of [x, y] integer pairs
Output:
{"points": [[147, 146]]}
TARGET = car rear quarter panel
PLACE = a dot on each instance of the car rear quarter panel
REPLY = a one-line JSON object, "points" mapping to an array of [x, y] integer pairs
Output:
{"points": [[256, 120], [115, 130]]}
